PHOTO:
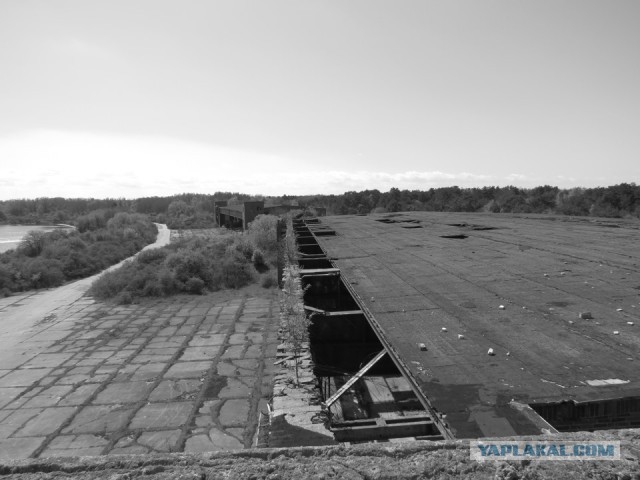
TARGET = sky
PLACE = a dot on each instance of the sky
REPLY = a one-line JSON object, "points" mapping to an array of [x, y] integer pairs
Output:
{"points": [[131, 98]]}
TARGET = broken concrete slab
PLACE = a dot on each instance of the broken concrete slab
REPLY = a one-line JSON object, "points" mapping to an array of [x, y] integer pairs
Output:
{"points": [[155, 415]]}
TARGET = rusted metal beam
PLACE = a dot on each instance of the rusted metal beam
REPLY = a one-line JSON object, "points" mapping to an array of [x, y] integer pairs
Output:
{"points": [[355, 378], [319, 272]]}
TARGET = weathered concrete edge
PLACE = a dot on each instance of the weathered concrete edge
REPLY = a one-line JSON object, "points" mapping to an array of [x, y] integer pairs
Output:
{"points": [[630, 441]]}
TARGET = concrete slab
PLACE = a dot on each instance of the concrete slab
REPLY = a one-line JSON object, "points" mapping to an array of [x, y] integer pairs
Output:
{"points": [[161, 441], [48, 360], [48, 397], [18, 448], [16, 419], [207, 340], [79, 395], [23, 377], [126, 392], [75, 445], [200, 353], [99, 419], [7, 394], [221, 440], [168, 390], [158, 415], [234, 412], [188, 370], [46, 422], [235, 389]]}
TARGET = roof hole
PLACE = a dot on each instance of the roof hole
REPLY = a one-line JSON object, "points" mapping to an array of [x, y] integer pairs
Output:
{"points": [[459, 236]]}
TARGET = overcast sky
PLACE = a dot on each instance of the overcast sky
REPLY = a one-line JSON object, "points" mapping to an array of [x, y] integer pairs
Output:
{"points": [[126, 98]]}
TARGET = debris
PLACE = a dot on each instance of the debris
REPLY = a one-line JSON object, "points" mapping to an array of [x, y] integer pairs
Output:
{"points": [[501, 307], [546, 274], [571, 322], [444, 329], [616, 332], [508, 354], [618, 309], [422, 346], [490, 352], [460, 336], [630, 323], [585, 315], [562, 274]]}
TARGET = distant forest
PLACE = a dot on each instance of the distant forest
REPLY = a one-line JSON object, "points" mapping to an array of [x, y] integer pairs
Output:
{"points": [[196, 210]]}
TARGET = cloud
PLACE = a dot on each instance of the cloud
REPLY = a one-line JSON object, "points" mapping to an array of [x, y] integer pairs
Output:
{"points": [[80, 164]]}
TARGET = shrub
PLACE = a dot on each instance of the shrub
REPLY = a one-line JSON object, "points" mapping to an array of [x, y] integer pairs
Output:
{"points": [[33, 243], [190, 265], [268, 281], [124, 298], [187, 264], [263, 233], [258, 258], [43, 273], [243, 246], [194, 285], [235, 272], [153, 255]]}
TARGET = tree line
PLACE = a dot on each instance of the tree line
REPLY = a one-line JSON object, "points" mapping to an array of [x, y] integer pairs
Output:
{"points": [[621, 200], [189, 210]]}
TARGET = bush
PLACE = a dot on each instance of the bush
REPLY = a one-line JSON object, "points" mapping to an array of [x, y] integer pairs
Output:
{"points": [[268, 281], [153, 255], [258, 258], [192, 265], [235, 273], [43, 273], [194, 285], [263, 233], [187, 264], [33, 243], [49, 259]]}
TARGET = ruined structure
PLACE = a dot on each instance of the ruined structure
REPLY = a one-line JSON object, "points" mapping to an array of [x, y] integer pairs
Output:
{"points": [[239, 216], [473, 325]]}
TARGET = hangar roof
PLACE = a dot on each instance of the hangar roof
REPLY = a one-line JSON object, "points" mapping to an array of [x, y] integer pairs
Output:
{"points": [[431, 277]]}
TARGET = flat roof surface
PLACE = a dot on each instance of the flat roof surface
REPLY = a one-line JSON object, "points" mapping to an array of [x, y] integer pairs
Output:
{"points": [[544, 270]]}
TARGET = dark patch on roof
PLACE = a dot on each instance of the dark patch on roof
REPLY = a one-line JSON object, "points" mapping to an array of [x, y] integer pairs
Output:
{"points": [[459, 236]]}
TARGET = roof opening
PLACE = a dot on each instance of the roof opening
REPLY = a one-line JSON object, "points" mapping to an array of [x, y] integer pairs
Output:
{"points": [[458, 236], [571, 416]]}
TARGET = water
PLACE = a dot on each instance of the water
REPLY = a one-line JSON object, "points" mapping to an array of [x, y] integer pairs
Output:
{"points": [[10, 235]]}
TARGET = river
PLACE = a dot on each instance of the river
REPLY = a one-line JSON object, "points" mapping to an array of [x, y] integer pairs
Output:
{"points": [[10, 235]]}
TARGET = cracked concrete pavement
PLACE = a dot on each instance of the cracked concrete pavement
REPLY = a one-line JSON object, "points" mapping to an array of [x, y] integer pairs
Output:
{"points": [[185, 374], [188, 374]]}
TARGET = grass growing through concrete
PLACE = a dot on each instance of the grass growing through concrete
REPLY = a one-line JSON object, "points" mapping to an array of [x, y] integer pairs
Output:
{"points": [[197, 264]]}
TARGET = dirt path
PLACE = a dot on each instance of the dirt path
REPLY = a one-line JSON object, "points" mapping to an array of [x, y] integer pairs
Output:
{"points": [[25, 318]]}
